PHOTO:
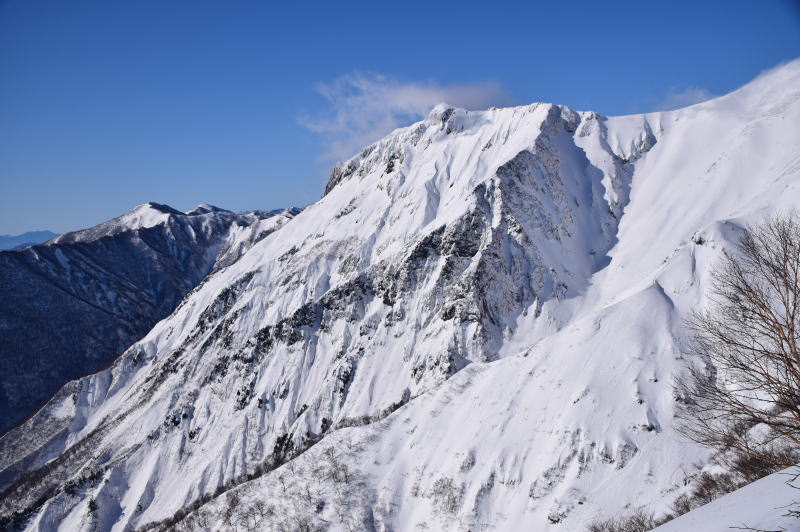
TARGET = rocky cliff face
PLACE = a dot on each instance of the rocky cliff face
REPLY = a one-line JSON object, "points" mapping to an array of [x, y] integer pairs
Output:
{"points": [[475, 327], [71, 306]]}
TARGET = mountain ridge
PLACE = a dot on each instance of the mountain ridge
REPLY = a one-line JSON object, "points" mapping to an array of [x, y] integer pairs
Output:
{"points": [[23, 240], [89, 294], [476, 325]]}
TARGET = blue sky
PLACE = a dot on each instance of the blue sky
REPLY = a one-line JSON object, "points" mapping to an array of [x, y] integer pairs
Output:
{"points": [[105, 105]]}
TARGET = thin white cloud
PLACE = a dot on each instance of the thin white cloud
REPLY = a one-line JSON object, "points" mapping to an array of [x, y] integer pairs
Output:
{"points": [[676, 99], [365, 107]]}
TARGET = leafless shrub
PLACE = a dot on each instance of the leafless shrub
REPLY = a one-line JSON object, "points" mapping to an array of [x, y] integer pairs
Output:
{"points": [[640, 520], [337, 470], [447, 495], [233, 501], [745, 401]]}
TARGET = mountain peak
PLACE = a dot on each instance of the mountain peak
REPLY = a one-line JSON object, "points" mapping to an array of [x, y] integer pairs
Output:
{"points": [[440, 109], [142, 216], [205, 208], [159, 207]]}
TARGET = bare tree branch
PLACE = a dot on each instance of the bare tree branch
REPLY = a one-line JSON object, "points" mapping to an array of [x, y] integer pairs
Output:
{"points": [[748, 342]]}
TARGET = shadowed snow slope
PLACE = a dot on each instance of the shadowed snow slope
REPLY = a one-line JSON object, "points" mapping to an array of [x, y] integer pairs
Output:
{"points": [[72, 305], [476, 327]]}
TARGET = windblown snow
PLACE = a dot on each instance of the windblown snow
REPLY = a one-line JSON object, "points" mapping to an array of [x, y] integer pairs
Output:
{"points": [[477, 327]]}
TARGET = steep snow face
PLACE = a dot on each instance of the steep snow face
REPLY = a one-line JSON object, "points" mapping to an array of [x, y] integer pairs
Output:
{"points": [[242, 236], [417, 263], [69, 307], [494, 298]]}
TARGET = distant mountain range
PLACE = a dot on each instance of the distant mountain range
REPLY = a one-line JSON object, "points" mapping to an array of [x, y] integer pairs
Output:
{"points": [[72, 305], [25, 239]]}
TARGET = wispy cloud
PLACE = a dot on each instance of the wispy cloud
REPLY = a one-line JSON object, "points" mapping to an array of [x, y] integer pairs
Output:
{"points": [[676, 99], [364, 107]]}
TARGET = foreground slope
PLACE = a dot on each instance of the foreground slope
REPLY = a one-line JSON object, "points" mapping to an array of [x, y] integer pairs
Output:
{"points": [[765, 504], [476, 327], [70, 306]]}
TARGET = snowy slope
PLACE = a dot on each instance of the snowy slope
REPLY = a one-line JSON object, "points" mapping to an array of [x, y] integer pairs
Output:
{"points": [[70, 306], [476, 327], [762, 505]]}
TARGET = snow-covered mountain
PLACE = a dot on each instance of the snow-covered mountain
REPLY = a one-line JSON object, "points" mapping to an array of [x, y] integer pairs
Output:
{"points": [[475, 328], [71, 306]]}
